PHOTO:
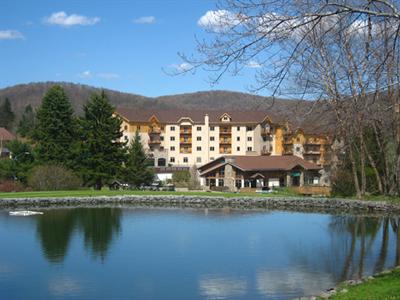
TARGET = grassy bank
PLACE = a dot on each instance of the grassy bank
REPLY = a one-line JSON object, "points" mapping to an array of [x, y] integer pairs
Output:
{"points": [[106, 192], [383, 286]]}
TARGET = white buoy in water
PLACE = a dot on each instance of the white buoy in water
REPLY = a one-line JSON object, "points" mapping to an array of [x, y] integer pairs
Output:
{"points": [[24, 213]]}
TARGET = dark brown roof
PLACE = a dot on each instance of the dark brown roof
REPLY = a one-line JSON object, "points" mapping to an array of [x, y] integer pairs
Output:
{"points": [[197, 116], [5, 135], [263, 163]]}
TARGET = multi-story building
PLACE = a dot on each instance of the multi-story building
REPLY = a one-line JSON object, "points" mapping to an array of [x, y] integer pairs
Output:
{"points": [[185, 138]]}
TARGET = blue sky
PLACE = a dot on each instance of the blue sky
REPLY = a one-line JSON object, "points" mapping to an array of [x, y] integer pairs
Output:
{"points": [[116, 44]]}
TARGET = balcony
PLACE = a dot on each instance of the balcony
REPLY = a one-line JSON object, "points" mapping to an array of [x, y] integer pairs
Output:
{"points": [[185, 141], [185, 151], [154, 142], [265, 131], [154, 130], [225, 150], [265, 152], [185, 130], [312, 142], [225, 141], [225, 130]]}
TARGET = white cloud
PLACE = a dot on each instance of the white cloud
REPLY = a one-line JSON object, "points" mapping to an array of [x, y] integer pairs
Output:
{"points": [[218, 20], [89, 74], [62, 19], [218, 287], [145, 20], [108, 76], [85, 74], [11, 35], [253, 64], [183, 67]]}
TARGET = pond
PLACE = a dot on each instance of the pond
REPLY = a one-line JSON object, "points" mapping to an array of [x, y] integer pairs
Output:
{"points": [[142, 253]]}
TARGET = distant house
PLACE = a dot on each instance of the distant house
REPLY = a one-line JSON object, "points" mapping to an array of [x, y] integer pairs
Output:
{"points": [[5, 137], [252, 172]]}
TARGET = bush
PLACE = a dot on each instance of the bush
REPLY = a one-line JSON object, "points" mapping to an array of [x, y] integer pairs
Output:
{"points": [[53, 178], [181, 178], [10, 186]]}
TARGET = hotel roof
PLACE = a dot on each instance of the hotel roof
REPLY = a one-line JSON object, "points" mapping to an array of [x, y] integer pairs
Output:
{"points": [[260, 163], [197, 116]]}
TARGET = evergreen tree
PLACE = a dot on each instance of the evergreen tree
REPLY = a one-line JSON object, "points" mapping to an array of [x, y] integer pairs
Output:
{"points": [[101, 153], [6, 114], [55, 129], [137, 171], [27, 122]]}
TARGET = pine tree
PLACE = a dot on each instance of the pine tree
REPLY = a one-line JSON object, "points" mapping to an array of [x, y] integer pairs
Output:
{"points": [[6, 114], [137, 171], [55, 130], [27, 122], [101, 152]]}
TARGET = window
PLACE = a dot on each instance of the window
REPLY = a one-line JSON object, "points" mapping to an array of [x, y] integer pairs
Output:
{"points": [[212, 128], [161, 138], [238, 128], [125, 127], [185, 160], [172, 128], [298, 140], [297, 149], [172, 159], [249, 128], [186, 149], [172, 138], [199, 138], [226, 150], [211, 158], [126, 138], [220, 182], [249, 148], [198, 148], [212, 148], [172, 148], [212, 138], [198, 159], [221, 172], [238, 148], [238, 138], [249, 138], [162, 127], [198, 128]]}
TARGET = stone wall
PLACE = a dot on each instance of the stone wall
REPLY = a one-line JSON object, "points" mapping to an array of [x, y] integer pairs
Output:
{"points": [[290, 203]]}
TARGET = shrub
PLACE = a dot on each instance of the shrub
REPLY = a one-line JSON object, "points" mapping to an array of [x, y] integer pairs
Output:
{"points": [[53, 178], [181, 178], [10, 186]]}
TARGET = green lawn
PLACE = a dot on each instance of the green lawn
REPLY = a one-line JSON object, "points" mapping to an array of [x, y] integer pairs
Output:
{"points": [[106, 192], [385, 286]]}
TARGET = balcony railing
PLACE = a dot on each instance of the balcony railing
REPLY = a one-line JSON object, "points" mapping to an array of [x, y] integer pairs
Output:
{"points": [[265, 152], [154, 130], [154, 142], [186, 130], [225, 141], [265, 131], [185, 141], [225, 130]]}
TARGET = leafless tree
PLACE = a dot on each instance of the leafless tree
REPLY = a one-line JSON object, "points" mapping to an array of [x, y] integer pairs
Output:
{"points": [[345, 53]]}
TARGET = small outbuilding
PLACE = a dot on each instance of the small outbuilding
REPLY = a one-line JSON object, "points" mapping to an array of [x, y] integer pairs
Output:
{"points": [[255, 172]]}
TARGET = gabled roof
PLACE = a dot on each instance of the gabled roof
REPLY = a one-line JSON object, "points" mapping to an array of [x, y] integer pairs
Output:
{"points": [[5, 135], [260, 163], [173, 116]]}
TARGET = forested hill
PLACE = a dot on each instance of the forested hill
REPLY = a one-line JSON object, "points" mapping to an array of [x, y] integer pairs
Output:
{"points": [[296, 111]]}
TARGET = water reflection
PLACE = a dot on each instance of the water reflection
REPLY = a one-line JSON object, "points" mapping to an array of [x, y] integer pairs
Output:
{"points": [[363, 233], [55, 229]]}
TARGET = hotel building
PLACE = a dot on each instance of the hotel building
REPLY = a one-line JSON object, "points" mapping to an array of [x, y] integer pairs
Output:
{"points": [[186, 138]]}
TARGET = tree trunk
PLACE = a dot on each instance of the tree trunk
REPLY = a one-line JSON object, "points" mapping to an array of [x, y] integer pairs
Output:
{"points": [[355, 175]]}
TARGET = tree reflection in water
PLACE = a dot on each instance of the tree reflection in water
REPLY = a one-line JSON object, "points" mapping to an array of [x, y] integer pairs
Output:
{"points": [[363, 232], [55, 229]]}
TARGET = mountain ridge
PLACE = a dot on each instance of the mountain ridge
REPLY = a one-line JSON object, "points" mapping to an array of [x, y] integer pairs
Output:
{"points": [[297, 111]]}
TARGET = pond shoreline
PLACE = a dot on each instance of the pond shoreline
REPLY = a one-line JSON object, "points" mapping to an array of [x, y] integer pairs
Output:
{"points": [[286, 203]]}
